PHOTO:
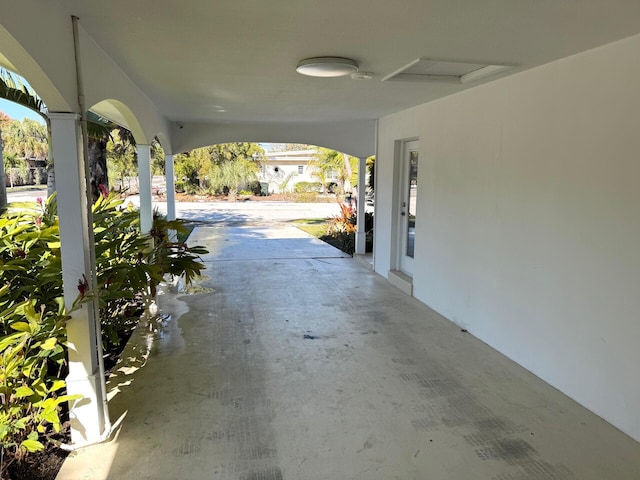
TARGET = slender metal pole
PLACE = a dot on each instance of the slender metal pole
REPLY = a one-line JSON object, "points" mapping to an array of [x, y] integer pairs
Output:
{"points": [[93, 281]]}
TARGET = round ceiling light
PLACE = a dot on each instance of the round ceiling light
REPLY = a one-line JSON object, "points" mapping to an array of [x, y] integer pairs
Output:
{"points": [[327, 67]]}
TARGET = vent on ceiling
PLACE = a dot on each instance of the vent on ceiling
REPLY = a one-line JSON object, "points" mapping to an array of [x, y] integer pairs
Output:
{"points": [[431, 70]]}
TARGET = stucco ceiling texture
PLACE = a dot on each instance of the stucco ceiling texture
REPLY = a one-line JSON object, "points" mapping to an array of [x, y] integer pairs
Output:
{"points": [[234, 60]]}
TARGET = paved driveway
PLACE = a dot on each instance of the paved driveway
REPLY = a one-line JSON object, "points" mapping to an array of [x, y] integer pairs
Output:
{"points": [[291, 361]]}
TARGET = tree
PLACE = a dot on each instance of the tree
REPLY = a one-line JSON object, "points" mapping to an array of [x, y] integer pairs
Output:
{"points": [[234, 173], [99, 132], [26, 139], [16, 90], [13, 89], [331, 164], [121, 159], [4, 121], [23, 140], [371, 166], [289, 147], [157, 158], [217, 168]]}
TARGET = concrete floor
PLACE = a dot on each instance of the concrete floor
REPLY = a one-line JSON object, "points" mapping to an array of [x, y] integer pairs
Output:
{"points": [[299, 363]]}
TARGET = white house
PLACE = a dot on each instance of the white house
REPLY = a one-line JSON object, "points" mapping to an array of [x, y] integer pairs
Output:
{"points": [[283, 170]]}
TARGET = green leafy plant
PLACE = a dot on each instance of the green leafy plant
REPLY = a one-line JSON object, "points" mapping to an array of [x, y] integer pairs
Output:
{"points": [[32, 330], [308, 187], [33, 319], [342, 229]]}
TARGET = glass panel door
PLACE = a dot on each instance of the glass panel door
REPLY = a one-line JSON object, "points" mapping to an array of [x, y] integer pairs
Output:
{"points": [[408, 205]]}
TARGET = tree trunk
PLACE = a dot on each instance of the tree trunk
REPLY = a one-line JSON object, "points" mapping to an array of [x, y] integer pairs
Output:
{"points": [[3, 179], [348, 174], [98, 166], [51, 171], [51, 180]]}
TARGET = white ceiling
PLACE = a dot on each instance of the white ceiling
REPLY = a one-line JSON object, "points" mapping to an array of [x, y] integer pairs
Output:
{"points": [[233, 61]]}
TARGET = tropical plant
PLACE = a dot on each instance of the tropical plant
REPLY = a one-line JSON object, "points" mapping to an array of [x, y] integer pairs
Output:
{"points": [[122, 163], [131, 265], [219, 168], [234, 173], [157, 158], [99, 132], [26, 139], [32, 310], [330, 164], [4, 120], [307, 187], [32, 331], [14, 89]]}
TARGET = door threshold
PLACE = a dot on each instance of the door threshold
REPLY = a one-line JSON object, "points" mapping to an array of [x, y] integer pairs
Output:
{"points": [[401, 280]]}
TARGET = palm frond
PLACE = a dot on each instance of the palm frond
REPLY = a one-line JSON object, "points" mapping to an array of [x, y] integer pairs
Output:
{"points": [[15, 90]]}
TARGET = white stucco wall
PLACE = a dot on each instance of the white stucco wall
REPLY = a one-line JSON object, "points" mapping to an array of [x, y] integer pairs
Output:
{"points": [[529, 220]]}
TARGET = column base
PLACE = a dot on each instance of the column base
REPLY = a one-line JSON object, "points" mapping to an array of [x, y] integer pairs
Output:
{"points": [[86, 413], [361, 243]]}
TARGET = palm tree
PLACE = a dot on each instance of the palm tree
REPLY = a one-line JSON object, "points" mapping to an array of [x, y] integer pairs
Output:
{"points": [[99, 132], [329, 163], [234, 173], [3, 183], [13, 89], [98, 128]]}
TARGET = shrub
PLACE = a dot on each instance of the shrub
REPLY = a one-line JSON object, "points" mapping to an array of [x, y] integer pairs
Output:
{"points": [[307, 187], [308, 197], [32, 330], [255, 187], [32, 312], [191, 189], [342, 229]]}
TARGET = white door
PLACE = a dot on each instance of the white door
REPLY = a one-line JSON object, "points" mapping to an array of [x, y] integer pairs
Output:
{"points": [[408, 202]]}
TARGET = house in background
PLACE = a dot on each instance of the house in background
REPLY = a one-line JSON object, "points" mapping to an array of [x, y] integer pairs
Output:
{"points": [[283, 170]]}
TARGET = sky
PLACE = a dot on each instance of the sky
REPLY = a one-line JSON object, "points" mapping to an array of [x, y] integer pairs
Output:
{"points": [[17, 112]]}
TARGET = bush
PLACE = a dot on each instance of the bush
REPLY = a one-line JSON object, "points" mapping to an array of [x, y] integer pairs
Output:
{"points": [[32, 330], [341, 229], [255, 187], [309, 197], [32, 312], [191, 189], [307, 187]]}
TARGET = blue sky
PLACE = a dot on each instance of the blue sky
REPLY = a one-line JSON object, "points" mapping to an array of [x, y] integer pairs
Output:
{"points": [[17, 112]]}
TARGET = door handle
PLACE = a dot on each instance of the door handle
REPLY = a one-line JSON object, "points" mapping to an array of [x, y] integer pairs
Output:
{"points": [[402, 213]]}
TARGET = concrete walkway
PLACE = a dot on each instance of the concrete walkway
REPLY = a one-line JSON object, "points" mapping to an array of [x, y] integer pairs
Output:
{"points": [[293, 362]]}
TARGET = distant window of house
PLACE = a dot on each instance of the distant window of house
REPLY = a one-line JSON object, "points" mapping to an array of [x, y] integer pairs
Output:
{"points": [[300, 169]]}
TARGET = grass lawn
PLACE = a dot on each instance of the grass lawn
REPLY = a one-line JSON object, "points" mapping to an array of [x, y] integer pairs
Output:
{"points": [[313, 226]]}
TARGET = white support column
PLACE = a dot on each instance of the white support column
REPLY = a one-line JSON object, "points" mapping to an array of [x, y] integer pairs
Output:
{"points": [[88, 419], [144, 180], [361, 235], [171, 187], [171, 193]]}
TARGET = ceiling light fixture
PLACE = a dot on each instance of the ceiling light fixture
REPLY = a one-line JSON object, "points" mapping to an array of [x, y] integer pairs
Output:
{"points": [[327, 67]]}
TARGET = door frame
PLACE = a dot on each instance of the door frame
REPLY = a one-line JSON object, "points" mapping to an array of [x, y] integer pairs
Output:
{"points": [[399, 234]]}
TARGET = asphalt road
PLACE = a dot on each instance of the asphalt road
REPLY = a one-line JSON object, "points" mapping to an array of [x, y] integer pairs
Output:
{"points": [[220, 211]]}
